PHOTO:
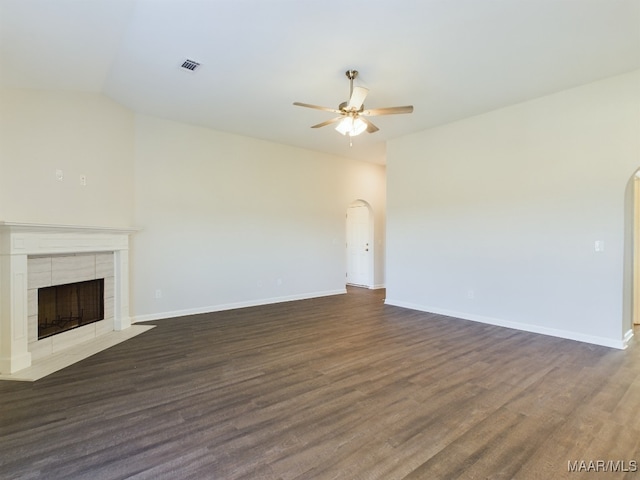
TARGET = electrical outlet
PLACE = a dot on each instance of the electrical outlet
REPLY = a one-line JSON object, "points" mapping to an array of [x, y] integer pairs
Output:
{"points": [[471, 294], [158, 293], [83, 180], [59, 175]]}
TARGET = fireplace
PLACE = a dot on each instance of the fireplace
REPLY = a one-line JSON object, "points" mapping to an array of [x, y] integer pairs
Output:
{"points": [[36, 256], [69, 306]]}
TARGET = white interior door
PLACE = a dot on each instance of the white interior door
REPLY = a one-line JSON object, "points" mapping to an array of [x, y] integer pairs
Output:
{"points": [[359, 246]]}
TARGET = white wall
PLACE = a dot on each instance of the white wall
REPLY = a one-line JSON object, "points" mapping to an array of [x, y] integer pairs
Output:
{"points": [[506, 207], [78, 133], [226, 220], [229, 221]]}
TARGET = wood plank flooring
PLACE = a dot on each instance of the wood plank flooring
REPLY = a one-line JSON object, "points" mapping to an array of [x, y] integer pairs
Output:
{"points": [[338, 387]]}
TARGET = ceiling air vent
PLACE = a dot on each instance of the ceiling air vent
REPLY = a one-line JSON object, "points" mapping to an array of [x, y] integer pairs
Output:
{"points": [[190, 65]]}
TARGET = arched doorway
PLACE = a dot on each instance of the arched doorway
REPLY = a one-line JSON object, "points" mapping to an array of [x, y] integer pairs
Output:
{"points": [[360, 245], [636, 249]]}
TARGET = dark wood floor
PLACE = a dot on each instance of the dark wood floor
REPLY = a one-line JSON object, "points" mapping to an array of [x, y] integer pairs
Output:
{"points": [[339, 387]]}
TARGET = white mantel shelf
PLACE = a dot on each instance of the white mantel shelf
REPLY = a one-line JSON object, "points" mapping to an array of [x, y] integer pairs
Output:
{"points": [[20, 240], [45, 227]]}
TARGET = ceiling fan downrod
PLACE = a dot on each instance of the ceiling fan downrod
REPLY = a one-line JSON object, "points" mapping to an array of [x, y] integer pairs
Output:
{"points": [[351, 75]]}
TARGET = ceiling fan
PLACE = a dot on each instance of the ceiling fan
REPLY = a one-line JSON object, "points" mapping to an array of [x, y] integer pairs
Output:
{"points": [[352, 120]]}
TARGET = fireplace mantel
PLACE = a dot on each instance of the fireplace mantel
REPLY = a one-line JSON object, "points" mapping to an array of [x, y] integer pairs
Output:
{"points": [[18, 241]]}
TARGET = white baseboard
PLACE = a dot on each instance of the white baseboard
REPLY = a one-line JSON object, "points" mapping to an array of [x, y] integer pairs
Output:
{"points": [[553, 332], [370, 287], [232, 306]]}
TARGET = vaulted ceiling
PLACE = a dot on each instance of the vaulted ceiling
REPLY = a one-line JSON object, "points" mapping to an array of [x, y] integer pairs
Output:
{"points": [[449, 58]]}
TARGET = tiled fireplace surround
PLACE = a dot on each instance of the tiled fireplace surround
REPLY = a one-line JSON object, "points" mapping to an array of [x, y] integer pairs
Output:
{"points": [[34, 256], [50, 270]]}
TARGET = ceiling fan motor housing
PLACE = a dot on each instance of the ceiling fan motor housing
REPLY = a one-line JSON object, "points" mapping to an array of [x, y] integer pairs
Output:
{"points": [[343, 108]]}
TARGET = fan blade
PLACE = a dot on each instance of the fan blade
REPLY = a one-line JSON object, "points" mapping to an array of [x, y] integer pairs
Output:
{"points": [[308, 105], [328, 122], [357, 98], [371, 128], [388, 110]]}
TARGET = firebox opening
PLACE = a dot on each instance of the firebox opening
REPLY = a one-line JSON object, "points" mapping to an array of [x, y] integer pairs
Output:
{"points": [[65, 307]]}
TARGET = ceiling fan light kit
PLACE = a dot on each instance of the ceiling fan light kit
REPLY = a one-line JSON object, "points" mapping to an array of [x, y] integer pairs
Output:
{"points": [[351, 121], [351, 126]]}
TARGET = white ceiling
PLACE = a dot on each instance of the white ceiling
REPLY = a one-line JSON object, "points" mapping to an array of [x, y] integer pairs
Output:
{"points": [[449, 58]]}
